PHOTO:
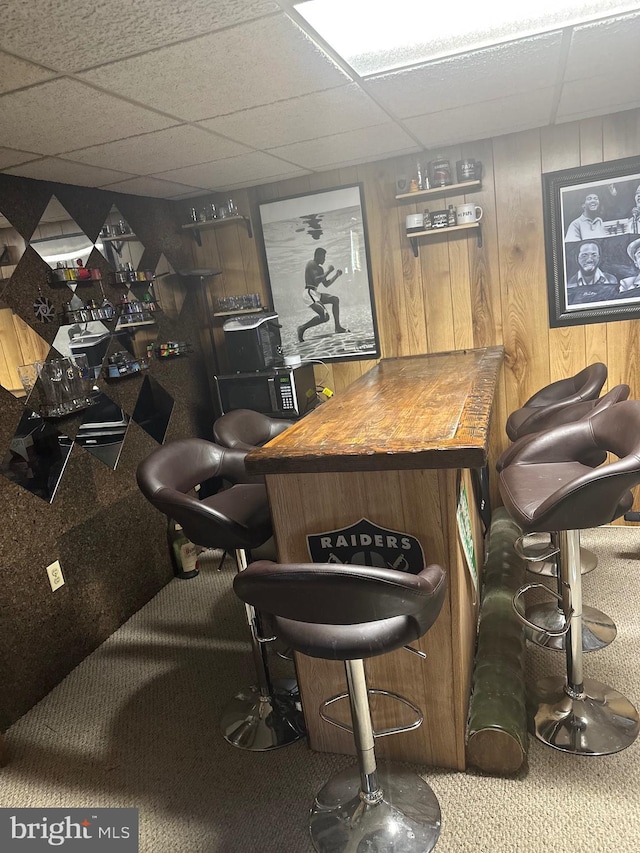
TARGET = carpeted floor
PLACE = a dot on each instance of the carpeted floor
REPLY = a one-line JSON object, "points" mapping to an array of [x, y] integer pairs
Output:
{"points": [[136, 724]]}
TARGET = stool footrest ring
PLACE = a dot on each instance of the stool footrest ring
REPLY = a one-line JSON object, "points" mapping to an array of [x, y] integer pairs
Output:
{"points": [[394, 730], [539, 628], [534, 553]]}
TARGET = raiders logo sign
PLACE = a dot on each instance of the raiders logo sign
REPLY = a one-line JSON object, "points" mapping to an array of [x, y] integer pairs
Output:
{"points": [[366, 544]]}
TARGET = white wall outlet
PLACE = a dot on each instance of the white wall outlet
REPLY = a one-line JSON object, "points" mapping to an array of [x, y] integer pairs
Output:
{"points": [[56, 578]]}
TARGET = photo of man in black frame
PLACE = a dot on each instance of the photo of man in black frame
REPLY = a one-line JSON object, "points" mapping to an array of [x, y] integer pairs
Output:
{"points": [[592, 211]]}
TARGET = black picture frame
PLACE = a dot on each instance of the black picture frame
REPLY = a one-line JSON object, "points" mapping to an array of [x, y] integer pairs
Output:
{"points": [[578, 292], [293, 229]]}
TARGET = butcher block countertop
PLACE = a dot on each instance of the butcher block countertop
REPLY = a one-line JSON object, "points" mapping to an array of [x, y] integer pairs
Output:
{"points": [[426, 411]]}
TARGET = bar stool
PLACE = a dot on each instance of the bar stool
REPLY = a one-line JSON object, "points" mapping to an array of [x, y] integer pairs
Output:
{"points": [[540, 550], [559, 403], [351, 613], [548, 488], [244, 429], [237, 519]]}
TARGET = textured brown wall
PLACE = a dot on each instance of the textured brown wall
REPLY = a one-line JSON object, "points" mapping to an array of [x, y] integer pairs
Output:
{"points": [[110, 542]]}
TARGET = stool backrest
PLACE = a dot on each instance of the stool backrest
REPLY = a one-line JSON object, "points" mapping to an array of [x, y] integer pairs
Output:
{"points": [[585, 385], [332, 594], [169, 474], [245, 429]]}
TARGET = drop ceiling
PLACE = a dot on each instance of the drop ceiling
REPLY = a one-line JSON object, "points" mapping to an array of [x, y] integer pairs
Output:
{"points": [[175, 98]]}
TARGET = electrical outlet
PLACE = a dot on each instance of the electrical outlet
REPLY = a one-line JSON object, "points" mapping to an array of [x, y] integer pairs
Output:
{"points": [[56, 578]]}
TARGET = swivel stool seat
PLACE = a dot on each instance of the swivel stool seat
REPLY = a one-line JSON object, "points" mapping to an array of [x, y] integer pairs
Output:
{"points": [[236, 519], [350, 613], [244, 429], [548, 488], [539, 552]]}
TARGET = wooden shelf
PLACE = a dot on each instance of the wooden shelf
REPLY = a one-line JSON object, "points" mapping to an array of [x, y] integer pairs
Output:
{"points": [[117, 238], [449, 189], [197, 227], [239, 311], [434, 232]]}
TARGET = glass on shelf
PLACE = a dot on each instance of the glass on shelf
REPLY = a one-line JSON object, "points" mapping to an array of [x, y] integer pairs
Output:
{"points": [[28, 374], [66, 385], [242, 302]]}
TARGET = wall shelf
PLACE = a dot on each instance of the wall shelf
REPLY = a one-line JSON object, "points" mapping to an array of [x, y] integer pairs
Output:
{"points": [[449, 189], [239, 311], [117, 238], [196, 227], [435, 232]]}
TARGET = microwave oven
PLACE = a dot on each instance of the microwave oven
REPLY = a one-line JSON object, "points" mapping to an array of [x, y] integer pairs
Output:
{"points": [[283, 392]]}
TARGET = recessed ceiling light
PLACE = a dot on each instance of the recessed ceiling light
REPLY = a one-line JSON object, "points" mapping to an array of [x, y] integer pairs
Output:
{"points": [[372, 37]]}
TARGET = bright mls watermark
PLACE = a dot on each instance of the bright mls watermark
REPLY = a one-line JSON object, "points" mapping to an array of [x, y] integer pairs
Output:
{"points": [[79, 830]]}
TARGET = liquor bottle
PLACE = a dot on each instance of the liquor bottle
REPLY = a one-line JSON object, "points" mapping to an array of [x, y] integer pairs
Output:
{"points": [[451, 216], [184, 554]]}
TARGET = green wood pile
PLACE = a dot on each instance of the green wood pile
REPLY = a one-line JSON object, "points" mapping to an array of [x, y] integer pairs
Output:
{"points": [[497, 726]]}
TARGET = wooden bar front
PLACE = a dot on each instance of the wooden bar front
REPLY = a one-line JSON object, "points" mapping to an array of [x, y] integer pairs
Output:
{"points": [[394, 448]]}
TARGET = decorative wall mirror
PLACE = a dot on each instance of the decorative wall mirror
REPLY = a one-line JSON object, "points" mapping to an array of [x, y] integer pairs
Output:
{"points": [[90, 338], [12, 248], [103, 430], [119, 244], [153, 409], [36, 456], [60, 241], [171, 289], [20, 346]]}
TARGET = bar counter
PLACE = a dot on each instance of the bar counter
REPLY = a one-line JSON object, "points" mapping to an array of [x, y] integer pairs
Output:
{"points": [[396, 448]]}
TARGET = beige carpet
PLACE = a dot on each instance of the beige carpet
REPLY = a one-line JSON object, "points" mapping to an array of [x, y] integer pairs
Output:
{"points": [[136, 725]]}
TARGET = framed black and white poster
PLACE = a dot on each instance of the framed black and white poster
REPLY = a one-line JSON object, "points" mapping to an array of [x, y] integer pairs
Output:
{"points": [[317, 261], [592, 240]]}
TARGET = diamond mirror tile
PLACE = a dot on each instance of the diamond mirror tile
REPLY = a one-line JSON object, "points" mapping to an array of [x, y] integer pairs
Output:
{"points": [[36, 456], [102, 430]]}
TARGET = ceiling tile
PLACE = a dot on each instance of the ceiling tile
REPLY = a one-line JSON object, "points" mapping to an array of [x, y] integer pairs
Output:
{"points": [[151, 187], [16, 73], [11, 157], [244, 66], [159, 151], [470, 78], [306, 117], [76, 35], [249, 169], [597, 95], [239, 185], [368, 143], [65, 172], [54, 116], [478, 121], [586, 51]]}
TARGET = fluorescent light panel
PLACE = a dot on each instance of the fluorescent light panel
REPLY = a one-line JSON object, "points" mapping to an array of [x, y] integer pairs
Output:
{"points": [[372, 37]]}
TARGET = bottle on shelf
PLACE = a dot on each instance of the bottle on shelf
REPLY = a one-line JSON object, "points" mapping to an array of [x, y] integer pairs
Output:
{"points": [[451, 217]]}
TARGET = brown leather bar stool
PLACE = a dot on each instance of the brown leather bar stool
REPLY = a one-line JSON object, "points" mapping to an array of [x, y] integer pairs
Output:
{"points": [[548, 407], [245, 429], [236, 519], [534, 414], [548, 488], [351, 613], [540, 550]]}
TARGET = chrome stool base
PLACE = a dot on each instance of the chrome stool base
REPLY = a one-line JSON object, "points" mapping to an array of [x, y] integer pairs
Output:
{"points": [[406, 820], [600, 721], [259, 723], [598, 630]]}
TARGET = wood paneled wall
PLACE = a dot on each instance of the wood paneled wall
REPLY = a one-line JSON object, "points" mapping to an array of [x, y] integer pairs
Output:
{"points": [[456, 295]]}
